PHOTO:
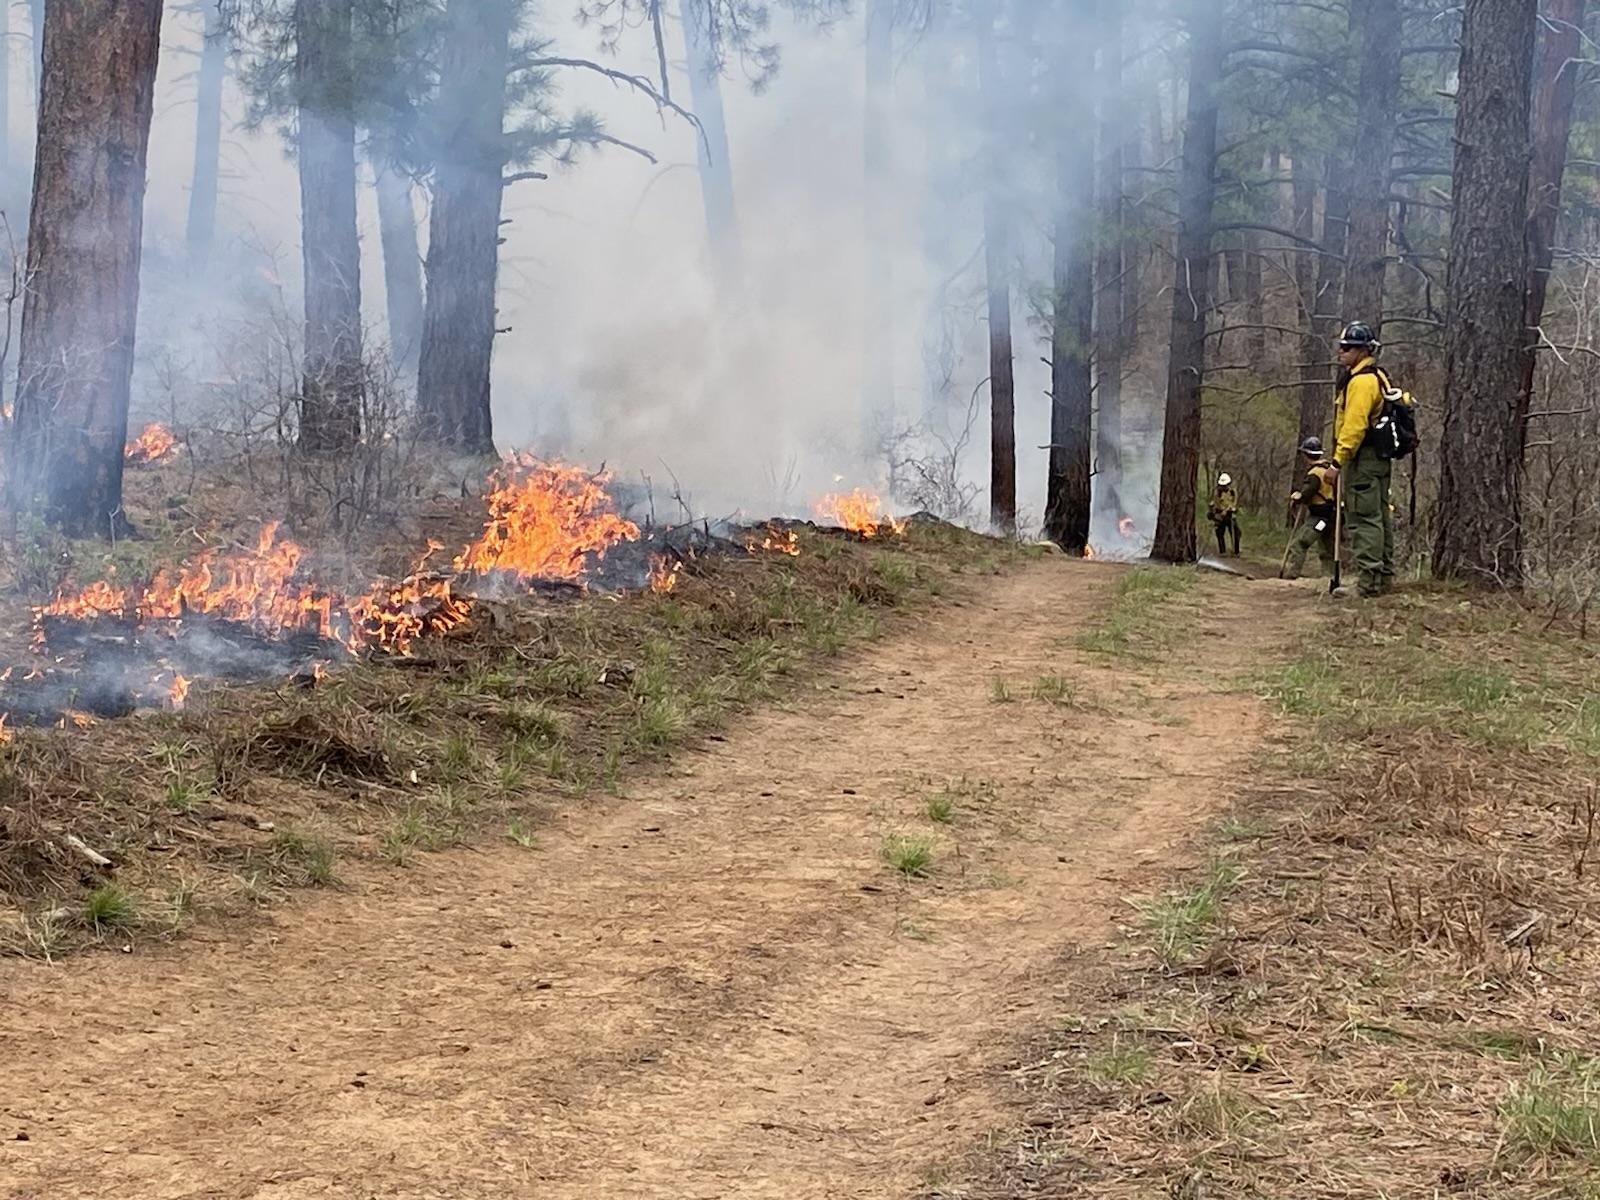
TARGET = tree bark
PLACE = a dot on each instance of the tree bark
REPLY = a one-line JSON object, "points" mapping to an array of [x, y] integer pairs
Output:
{"points": [[458, 328], [402, 266], [1066, 518], [1180, 446], [1110, 267], [1328, 301], [997, 273], [81, 308], [202, 223], [711, 147], [1480, 463], [1555, 77], [1376, 24], [330, 400], [36, 13], [877, 327], [1315, 378]]}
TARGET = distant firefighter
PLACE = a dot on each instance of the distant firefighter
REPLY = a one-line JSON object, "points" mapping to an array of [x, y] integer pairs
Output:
{"points": [[1223, 513]]}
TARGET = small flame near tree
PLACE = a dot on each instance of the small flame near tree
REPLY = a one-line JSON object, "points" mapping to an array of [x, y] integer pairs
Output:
{"points": [[154, 443], [859, 511]]}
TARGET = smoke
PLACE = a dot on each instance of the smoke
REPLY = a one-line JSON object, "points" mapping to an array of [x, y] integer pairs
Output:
{"points": [[621, 348]]}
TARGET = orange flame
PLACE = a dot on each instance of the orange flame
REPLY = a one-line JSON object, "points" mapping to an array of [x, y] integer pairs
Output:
{"points": [[778, 541], [663, 576], [154, 443], [256, 586], [81, 720], [860, 512], [179, 690], [545, 519], [1088, 551], [5, 734]]}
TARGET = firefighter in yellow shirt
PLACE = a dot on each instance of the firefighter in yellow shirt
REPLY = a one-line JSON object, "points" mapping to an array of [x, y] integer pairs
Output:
{"points": [[1223, 513], [1315, 495], [1368, 518]]}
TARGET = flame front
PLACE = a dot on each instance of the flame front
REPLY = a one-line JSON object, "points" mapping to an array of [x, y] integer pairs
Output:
{"points": [[257, 586], [545, 520], [860, 512], [154, 443]]}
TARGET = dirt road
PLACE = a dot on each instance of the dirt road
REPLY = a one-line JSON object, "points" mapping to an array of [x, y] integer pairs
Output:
{"points": [[711, 988]]}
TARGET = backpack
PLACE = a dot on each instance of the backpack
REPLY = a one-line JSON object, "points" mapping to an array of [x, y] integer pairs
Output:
{"points": [[1394, 433]]}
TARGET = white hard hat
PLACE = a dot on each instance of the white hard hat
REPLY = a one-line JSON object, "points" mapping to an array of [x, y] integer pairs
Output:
{"points": [[1224, 480]]}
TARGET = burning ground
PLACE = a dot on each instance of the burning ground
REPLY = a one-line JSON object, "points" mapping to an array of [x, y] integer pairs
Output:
{"points": [[233, 720]]}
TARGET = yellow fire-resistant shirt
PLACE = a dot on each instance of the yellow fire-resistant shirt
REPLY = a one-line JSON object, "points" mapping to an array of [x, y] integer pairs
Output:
{"points": [[1354, 409]]}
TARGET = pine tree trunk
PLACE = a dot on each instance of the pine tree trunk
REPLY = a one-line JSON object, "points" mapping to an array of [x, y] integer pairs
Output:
{"points": [[1555, 77], [711, 147], [997, 273], [402, 266], [330, 402], [1480, 463], [1376, 24], [202, 223], [1255, 315], [877, 327], [36, 13], [81, 307], [458, 327], [1316, 409], [1110, 265], [1313, 351], [1180, 447], [1067, 502]]}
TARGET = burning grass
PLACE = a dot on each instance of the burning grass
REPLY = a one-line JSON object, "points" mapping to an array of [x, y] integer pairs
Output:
{"points": [[1384, 985], [532, 702]]}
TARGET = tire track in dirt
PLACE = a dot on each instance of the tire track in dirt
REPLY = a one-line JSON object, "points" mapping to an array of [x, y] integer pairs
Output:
{"points": [[712, 988]]}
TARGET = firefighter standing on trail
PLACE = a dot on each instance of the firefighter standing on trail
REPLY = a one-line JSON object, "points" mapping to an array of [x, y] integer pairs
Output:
{"points": [[1318, 498], [1368, 519], [1224, 514]]}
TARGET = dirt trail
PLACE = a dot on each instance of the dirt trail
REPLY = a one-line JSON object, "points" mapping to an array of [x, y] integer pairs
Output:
{"points": [[712, 988]]}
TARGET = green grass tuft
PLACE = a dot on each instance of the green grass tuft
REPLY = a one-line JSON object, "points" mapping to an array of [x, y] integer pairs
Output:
{"points": [[309, 860], [1119, 1065], [908, 853], [108, 907], [1182, 920], [1555, 1112], [1053, 689]]}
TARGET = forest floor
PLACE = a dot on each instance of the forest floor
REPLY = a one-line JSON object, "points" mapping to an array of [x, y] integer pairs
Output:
{"points": [[787, 962], [1080, 880]]}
